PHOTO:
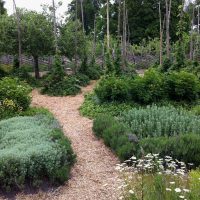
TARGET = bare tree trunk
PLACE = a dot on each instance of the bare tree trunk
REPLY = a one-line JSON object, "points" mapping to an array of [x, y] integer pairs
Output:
{"points": [[191, 36], [36, 67], [197, 45], [168, 14], [161, 35], [119, 19], [124, 35], [128, 28], [94, 42], [19, 34], [108, 27], [55, 26], [82, 14], [76, 35]]}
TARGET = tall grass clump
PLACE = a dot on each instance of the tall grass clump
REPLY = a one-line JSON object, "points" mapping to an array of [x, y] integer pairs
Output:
{"points": [[33, 149], [154, 121]]}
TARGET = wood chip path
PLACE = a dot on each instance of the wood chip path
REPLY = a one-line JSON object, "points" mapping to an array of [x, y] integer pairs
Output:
{"points": [[94, 176]]}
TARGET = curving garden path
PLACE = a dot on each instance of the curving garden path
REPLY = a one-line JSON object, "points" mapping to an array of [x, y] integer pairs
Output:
{"points": [[94, 176]]}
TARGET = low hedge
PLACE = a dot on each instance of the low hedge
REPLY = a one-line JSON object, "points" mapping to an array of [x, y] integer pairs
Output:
{"points": [[183, 147], [155, 87], [33, 149], [115, 136]]}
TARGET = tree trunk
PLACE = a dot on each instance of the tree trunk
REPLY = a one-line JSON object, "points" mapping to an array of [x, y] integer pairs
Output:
{"points": [[191, 36], [168, 14], [36, 67], [76, 35], [124, 35], [55, 26], [94, 42], [119, 20], [82, 14], [108, 27], [19, 34], [161, 35]]}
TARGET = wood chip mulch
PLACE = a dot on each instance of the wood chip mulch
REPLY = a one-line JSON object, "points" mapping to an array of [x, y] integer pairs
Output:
{"points": [[94, 176]]}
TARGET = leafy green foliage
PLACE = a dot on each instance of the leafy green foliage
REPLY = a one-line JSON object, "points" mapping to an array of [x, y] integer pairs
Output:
{"points": [[57, 84], [183, 147], [115, 136], [68, 39], [101, 123], [82, 79], [154, 121], [33, 149], [196, 110], [154, 87], [112, 88], [23, 74], [148, 89], [92, 108], [15, 90], [182, 86]]}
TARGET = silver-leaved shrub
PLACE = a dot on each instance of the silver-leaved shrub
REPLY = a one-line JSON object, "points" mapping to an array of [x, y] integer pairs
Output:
{"points": [[33, 149]]}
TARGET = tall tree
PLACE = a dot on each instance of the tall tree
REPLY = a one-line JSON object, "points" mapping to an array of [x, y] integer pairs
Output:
{"points": [[55, 24], [2, 8], [19, 33], [161, 35], [38, 37], [124, 35], [89, 8], [168, 4], [82, 15], [108, 26]]}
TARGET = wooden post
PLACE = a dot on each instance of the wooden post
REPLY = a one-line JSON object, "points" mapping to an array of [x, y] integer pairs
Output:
{"points": [[19, 34], [108, 27], [161, 35], [55, 26]]}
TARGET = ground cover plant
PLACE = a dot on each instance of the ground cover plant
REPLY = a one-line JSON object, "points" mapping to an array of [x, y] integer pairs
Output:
{"points": [[33, 149], [92, 107]]}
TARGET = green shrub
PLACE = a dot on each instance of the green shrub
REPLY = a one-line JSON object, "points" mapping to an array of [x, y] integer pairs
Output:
{"points": [[5, 70], [101, 123], [67, 86], [154, 121], [8, 109], [148, 89], [112, 88], [23, 74], [15, 90], [92, 108], [182, 86], [31, 150], [183, 147], [196, 110], [82, 79], [115, 136], [58, 84]]}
